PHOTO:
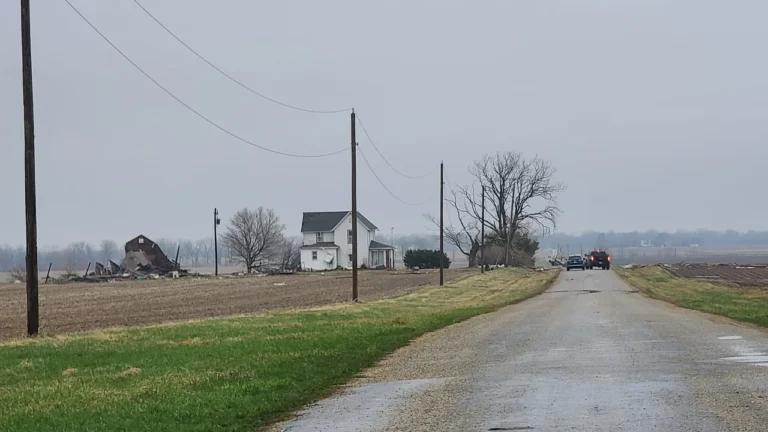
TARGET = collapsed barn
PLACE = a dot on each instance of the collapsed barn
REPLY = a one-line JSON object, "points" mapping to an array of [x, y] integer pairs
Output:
{"points": [[143, 259]]}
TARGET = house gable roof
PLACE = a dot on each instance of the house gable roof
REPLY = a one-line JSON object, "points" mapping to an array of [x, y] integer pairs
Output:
{"points": [[327, 221]]}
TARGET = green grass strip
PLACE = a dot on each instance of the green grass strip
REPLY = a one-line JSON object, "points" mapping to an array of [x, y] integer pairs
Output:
{"points": [[229, 374], [742, 304]]}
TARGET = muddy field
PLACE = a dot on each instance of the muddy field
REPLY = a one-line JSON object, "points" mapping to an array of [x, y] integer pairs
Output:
{"points": [[675, 255], [78, 307], [733, 275]]}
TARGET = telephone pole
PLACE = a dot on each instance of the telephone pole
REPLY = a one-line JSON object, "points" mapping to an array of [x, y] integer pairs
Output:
{"points": [[392, 240], [509, 234], [354, 210], [33, 307], [442, 229], [482, 236], [216, 222]]}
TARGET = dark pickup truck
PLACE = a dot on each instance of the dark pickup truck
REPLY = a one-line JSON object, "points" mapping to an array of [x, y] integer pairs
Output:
{"points": [[599, 259]]}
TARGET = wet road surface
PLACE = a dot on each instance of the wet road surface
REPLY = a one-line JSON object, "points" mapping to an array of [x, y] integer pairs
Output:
{"points": [[591, 354]]}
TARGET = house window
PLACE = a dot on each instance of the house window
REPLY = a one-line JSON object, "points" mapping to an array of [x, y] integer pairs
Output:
{"points": [[350, 258], [349, 236], [319, 237], [314, 255]]}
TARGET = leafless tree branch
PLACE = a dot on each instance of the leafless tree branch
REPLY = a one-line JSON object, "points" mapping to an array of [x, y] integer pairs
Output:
{"points": [[519, 192], [253, 235]]}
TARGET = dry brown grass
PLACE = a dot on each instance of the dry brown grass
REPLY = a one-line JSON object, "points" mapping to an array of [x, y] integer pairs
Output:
{"points": [[79, 307], [131, 372], [69, 372]]}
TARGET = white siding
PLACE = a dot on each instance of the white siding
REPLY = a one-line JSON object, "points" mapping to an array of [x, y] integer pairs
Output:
{"points": [[310, 238], [363, 241], [307, 263]]}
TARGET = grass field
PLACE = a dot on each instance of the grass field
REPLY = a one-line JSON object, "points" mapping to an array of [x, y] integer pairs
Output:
{"points": [[227, 374], [90, 306], [742, 304]]}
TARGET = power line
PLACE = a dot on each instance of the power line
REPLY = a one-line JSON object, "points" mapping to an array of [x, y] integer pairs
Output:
{"points": [[382, 183], [261, 95], [197, 113], [382, 156]]}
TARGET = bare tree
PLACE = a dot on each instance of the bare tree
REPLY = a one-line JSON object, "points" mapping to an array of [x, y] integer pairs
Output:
{"points": [[189, 252], [466, 238], [290, 253], [80, 252], [70, 268], [520, 196], [253, 235], [108, 250], [205, 248], [169, 247], [12, 257], [19, 273]]}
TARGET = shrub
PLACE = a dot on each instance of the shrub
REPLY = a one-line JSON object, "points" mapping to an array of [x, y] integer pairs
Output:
{"points": [[19, 273], [425, 258]]}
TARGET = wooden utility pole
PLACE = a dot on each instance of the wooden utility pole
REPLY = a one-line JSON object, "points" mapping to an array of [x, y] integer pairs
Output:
{"points": [[482, 236], [33, 306], [354, 210], [509, 232], [216, 222], [442, 228]]}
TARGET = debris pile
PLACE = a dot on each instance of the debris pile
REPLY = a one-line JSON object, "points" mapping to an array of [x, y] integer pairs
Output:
{"points": [[143, 257], [143, 260], [556, 262]]}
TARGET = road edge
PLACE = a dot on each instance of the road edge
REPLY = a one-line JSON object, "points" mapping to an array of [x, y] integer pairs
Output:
{"points": [[722, 319], [360, 377]]}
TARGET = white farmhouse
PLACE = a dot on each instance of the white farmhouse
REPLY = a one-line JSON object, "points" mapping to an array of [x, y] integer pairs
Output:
{"points": [[328, 242]]}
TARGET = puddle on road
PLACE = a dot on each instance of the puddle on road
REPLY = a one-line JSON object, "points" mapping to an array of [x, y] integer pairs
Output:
{"points": [[748, 358], [746, 354], [730, 337]]}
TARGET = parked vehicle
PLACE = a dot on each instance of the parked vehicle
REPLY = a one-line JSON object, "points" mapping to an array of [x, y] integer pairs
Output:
{"points": [[599, 259], [575, 261]]}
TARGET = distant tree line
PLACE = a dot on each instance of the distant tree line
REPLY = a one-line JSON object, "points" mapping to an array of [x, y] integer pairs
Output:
{"points": [[680, 238]]}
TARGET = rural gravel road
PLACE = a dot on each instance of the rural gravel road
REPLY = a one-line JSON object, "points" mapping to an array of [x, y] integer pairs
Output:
{"points": [[591, 354]]}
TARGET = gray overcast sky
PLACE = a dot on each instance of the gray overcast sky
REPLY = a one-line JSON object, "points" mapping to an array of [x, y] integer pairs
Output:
{"points": [[663, 101]]}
